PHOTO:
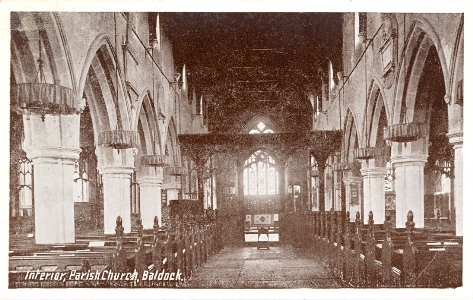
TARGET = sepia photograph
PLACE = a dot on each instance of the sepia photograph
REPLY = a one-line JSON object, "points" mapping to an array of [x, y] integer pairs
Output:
{"points": [[234, 150]]}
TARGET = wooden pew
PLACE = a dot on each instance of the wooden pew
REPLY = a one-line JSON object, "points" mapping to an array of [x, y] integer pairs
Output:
{"points": [[186, 245], [431, 263]]}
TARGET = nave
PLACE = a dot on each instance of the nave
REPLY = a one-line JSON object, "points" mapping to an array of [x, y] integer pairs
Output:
{"points": [[137, 147], [323, 250], [278, 267]]}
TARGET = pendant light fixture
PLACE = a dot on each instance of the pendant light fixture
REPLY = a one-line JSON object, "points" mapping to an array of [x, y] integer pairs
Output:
{"points": [[406, 131], [40, 97], [118, 139], [366, 153]]}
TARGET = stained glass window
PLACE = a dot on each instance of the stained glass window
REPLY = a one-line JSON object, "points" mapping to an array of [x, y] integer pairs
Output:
{"points": [[260, 175]]}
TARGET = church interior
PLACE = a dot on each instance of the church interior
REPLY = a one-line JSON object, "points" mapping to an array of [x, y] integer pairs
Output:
{"points": [[202, 142]]}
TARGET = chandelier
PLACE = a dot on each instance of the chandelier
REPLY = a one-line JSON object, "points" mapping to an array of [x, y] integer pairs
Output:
{"points": [[118, 139], [43, 98], [343, 166], [405, 132], [154, 160], [369, 152], [175, 171], [314, 173]]}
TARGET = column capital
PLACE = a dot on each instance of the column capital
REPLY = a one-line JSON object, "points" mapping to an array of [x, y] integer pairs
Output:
{"points": [[411, 159], [171, 185], [373, 172], [455, 138], [350, 180], [150, 180], [52, 154], [117, 170]]}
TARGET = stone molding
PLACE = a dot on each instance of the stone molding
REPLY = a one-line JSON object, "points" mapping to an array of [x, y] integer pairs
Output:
{"points": [[413, 159], [53, 154], [150, 181], [373, 172]]}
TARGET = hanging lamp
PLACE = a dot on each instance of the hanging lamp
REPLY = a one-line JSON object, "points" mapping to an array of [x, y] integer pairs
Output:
{"points": [[405, 131], [343, 166], [118, 139], [43, 98], [175, 171], [154, 160], [366, 153]]}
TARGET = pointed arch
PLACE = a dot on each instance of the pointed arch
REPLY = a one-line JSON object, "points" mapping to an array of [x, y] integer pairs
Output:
{"points": [[350, 137], [146, 120], [98, 82], [171, 144], [29, 30], [421, 38], [377, 115]]}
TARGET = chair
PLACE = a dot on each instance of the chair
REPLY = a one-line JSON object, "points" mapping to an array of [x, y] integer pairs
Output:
{"points": [[263, 231]]}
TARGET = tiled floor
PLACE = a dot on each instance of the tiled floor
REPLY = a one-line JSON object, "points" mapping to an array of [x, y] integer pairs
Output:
{"points": [[247, 267]]}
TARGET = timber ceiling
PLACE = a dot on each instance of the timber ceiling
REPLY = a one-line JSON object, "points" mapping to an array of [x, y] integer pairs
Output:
{"points": [[256, 62]]}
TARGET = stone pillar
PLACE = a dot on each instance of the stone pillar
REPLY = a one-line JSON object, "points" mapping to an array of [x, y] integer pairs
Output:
{"points": [[352, 187], [328, 188], [150, 198], [319, 188], [409, 187], [456, 139], [373, 193], [337, 194], [53, 146], [116, 197]]}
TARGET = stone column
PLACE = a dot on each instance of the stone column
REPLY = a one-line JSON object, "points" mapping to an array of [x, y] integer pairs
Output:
{"points": [[116, 197], [337, 194], [373, 193], [409, 187], [53, 146], [352, 187], [456, 139], [328, 189], [150, 198]]}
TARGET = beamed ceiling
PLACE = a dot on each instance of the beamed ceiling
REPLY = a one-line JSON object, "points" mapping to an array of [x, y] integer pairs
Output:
{"points": [[249, 63]]}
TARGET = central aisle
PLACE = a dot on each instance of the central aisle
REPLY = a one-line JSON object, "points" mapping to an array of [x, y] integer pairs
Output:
{"points": [[279, 267]]}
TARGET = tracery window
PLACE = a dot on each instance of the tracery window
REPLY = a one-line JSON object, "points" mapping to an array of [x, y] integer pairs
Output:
{"points": [[260, 176], [314, 185], [25, 185], [261, 128], [81, 179]]}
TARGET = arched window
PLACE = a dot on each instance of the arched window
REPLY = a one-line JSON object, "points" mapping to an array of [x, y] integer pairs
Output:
{"points": [[314, 185], [331, 83], [81, 179], [260, 176], [261, 128], [25, 185], [360, 27]]}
